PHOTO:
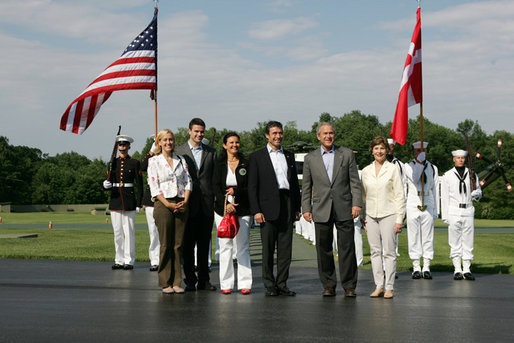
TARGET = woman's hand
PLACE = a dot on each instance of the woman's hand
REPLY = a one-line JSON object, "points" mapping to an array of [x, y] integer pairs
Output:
{"points": [[180, 206], [231, 208], [398, 228]]}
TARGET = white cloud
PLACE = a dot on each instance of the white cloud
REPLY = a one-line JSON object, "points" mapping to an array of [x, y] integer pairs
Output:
{"points": [[280, 28]]}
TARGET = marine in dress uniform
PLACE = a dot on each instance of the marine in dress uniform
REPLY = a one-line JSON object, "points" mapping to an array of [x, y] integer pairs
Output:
{"points": [[457, 211], [154, 247], [124, 203], [420, 224]]}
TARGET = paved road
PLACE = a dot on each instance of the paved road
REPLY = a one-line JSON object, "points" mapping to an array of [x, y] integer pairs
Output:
{"points": [[65, 301]]}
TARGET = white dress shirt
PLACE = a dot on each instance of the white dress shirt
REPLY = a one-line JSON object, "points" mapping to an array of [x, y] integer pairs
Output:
{"points": [[278, 159], [166, 181]]}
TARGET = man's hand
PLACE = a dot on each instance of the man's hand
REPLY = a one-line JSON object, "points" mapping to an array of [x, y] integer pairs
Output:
{"points": [[107, 184], [398, 228], [356, 211], [259, 218], [138, 209], [307, 216]]}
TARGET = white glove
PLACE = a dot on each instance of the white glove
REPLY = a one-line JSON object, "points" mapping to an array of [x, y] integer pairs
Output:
{"points": [[446, 221], [107, 184], [476, 195], [152, 148], [421, 157], [138, 209]]}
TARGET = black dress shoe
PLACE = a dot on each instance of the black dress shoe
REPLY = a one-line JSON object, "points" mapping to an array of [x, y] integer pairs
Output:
{"points": [[206, 287], [329, 292], [469, 276], [458, 276], [350, 293], [154, 268], [427, 275], [286, 291], [128, 267], [416, 275], [117, 266], [271, 292], [190, 288]]}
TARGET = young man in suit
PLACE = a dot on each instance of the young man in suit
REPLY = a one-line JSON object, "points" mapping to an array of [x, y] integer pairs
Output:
{"points": [[332, 195], [274, 196], [200, 160]]}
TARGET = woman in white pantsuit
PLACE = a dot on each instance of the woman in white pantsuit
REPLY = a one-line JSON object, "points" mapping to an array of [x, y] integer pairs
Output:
{"points": [[382, 191], [230, 179]]}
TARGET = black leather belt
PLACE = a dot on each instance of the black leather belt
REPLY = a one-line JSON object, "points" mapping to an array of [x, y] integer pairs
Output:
{"points": [[463, 205]]}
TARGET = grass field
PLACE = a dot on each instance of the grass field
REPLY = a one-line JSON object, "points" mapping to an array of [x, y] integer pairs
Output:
{"points": [[494, 253]]}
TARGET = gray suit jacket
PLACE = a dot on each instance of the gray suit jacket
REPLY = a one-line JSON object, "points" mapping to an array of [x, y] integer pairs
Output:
{"points": [[202, 196], [319, 195]]}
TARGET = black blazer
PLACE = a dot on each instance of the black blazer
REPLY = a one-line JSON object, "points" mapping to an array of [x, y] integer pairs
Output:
{"points": [[202, 195], [219, 185], [263, 193]]}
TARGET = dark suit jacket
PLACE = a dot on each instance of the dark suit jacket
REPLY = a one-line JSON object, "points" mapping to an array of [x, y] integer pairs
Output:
{"points": [[263, 192], [202, 195], [319, 195], [241, 192]]}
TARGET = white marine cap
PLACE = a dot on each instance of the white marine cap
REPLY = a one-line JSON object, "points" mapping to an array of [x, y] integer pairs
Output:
{"points": [[123, 138], [390, 141], [417, 145], [459, 152]]}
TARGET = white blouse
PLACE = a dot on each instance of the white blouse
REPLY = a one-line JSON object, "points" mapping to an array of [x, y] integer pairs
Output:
{"points": [[166, 181]]}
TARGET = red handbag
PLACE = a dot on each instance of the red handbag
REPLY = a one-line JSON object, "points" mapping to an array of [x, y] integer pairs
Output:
{"points": [[229, 225]]}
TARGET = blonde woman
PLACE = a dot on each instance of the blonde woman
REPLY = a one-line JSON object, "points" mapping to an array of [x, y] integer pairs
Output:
{"points": [[170, 188], [382, 193]]}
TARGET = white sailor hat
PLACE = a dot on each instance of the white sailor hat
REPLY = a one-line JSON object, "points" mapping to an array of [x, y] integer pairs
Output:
{"points": [[459, 152], [417, 145], [123, 138], [390, 141]]}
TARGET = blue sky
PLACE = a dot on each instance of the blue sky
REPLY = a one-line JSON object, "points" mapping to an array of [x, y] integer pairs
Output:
{"points": [[235, 63]]}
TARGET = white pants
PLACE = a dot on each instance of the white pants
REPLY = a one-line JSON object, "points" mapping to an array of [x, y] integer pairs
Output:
{"points": [[241, 245], [420, 233], [460, 236], [382, 244], [154, 248], [357, 238], [124, 236]]}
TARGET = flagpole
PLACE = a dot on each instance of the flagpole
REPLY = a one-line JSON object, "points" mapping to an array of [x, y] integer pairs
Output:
{"points": [[156, 9], [423, 206]]}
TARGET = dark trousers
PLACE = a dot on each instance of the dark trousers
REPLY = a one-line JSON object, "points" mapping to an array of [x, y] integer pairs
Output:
{"points": [[198, 232], [277, 233], [171, 228], [345, 250]]}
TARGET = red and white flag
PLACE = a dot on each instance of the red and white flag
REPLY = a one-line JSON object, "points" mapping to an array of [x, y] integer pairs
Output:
{"points": [[135, 69], [411, 90]]}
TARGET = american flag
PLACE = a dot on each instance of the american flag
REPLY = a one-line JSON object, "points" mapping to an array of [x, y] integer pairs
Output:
{"points": [[135, 69]]}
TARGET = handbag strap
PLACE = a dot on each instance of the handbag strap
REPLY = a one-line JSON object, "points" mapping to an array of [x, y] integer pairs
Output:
{"points": [[225, 207]]}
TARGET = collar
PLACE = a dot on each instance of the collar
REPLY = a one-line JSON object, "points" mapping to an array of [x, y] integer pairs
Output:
{"points": [[323, 152], [270, 149], [193, 148]]}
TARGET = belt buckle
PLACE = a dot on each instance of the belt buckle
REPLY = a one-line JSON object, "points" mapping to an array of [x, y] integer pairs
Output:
{"points": [[121, 183]]}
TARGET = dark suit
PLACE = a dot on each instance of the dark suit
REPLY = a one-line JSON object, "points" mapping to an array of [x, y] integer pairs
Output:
{"points": [[201, 215], [279, 209], [331, 203]]}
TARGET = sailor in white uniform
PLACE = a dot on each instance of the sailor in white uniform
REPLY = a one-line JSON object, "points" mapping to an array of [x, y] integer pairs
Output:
{"points": [[421, 212], [457, 211]]}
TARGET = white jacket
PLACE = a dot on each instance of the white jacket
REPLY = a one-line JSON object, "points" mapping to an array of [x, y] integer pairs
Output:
{"points": [[413, 172]]}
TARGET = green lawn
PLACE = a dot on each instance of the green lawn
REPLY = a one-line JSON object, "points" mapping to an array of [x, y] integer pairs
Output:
{"points": [[494, 253]]}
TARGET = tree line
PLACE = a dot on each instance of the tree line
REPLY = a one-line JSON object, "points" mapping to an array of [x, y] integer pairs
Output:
{"points": [[29, 176]]}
